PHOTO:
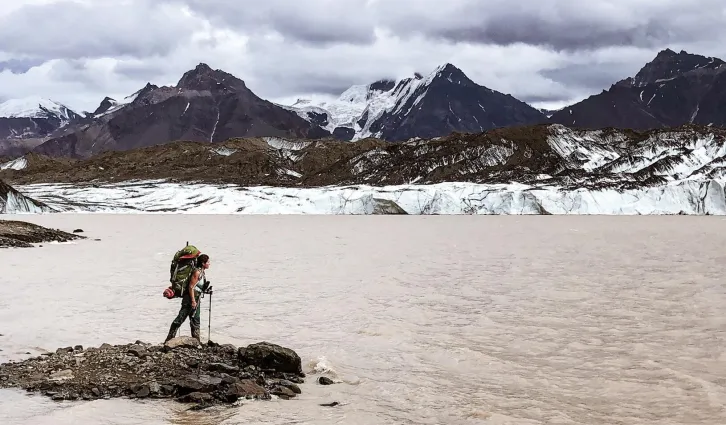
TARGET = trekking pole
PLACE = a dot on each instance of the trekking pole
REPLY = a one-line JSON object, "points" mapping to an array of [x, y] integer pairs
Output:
{"points": [[209, 322]]}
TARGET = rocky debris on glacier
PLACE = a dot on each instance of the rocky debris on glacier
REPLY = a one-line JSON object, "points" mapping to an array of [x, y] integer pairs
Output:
{"points": [[554, 156], [181, 369], [21, 234]]}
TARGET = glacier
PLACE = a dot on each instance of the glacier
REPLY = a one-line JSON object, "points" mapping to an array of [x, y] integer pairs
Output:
{"points": [[688, 197], [16, 164], [560, 171], [14, 202]]}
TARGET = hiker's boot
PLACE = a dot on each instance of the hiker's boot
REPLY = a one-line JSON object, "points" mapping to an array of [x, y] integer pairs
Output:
{"points": [[172, 332], [195, 334]]}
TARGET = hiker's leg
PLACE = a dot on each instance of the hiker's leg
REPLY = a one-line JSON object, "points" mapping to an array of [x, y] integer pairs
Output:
{"points": [[194, 320], [180, 317]]}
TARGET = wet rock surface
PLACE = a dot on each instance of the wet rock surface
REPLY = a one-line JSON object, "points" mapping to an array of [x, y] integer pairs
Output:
{"points": [[20, 234], [205, 374]]}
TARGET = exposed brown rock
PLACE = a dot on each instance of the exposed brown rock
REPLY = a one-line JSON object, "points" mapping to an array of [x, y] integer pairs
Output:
{"points": [[20, 234], [524, 154]]}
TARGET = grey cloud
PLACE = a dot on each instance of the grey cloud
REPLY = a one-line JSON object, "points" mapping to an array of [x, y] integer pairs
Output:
{"points": [[18, 66], [592, 76], [76, 71], [578, 35], [318, 22], [557, 24], [74, 30], [271, 81], [142, 71], [539, 51], [552, 97]]}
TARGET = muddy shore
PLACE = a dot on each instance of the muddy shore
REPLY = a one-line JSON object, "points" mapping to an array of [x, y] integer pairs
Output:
{"points": [[182, 369], [21, 234]]}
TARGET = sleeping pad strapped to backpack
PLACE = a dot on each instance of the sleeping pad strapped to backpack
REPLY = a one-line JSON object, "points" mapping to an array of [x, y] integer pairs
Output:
{"points": [[180, 271]]}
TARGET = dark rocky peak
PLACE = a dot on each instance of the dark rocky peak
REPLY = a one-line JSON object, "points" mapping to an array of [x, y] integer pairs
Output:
{"points": [[382, 85], [450, 74], [144, 91], [203, 77], [666, 54], [105, 105], [147, 88], [668, 65], [417, 75], [144, 95]]}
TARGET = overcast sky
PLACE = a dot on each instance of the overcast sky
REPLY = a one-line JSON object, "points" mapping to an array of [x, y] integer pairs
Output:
{"points": [[546, 52]]}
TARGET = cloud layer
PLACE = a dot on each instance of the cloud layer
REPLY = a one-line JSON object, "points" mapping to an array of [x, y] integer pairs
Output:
{"points": [[546, 52]]}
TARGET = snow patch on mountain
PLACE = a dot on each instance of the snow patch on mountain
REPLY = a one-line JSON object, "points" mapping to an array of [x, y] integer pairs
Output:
{"points": [[117, 105], [15, 164], [361, 105], [36, 107]]}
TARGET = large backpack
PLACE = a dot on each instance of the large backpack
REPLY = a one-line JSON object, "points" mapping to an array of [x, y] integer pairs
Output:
{"points": [[180, 271]]}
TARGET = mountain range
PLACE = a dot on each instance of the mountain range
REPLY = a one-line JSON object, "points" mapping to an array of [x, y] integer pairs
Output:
{"points": [[213, 105]]}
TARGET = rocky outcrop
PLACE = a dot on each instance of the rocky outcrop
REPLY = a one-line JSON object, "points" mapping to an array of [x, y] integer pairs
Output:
{"points": [[189, 373], [387, 207], [20, 234]]}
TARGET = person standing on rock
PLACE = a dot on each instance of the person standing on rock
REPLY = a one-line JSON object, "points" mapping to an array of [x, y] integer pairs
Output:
{"points": [[190, 300]]}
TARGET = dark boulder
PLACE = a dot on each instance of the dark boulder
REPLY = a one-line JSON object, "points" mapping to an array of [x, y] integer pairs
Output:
{"points": [[324, 380], [265, 355]]}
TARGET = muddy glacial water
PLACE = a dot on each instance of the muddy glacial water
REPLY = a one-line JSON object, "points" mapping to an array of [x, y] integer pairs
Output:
{"points": [[421, 320]]}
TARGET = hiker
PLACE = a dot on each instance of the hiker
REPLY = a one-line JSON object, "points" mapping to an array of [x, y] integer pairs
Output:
{"points": [[190, 300]]}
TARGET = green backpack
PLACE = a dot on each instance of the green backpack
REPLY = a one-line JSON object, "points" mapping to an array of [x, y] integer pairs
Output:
{"points": [[180, 271]]}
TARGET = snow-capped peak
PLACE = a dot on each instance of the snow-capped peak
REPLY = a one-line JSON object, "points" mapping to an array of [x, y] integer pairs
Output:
{"points": [[36, 107], [361, 105]]}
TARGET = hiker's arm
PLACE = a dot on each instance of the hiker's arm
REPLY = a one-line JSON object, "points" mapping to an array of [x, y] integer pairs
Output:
{"points": [[192, 283]]}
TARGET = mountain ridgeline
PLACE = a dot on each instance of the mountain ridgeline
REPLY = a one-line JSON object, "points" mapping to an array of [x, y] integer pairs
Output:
{"points": [[671, 90], [544, 155], [205, 105], [425, 107], [212, 105]]}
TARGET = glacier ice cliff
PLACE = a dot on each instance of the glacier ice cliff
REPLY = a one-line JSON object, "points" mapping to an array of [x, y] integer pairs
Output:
{"points": [[14, 202], [692, 197]]}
